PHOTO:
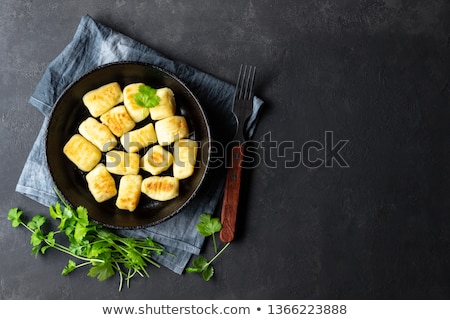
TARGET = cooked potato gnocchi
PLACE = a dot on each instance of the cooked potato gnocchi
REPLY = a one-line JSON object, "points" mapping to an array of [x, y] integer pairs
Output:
{"points": [[100, 100], [160, 188], [118, 120], [98, 134], [170, 129], [82, 152], [122, 163], [101, 184], [137, 113], [129, 192], [185, 155], [166, 106], [156, 160], [138, 139]]}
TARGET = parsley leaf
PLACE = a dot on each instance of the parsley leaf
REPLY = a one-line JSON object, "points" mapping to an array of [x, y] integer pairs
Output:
{"points": [[36, 238], [71, 265], [201, 265], [36, 222], [14, 215], [208, 226], [146, 97], [102, 271], [208, 273]]}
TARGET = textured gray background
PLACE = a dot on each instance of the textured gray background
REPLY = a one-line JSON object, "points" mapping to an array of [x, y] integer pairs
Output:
{"points": [[375, 73]]}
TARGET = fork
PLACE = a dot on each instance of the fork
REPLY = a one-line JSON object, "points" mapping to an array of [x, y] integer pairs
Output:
{"points": [[242, 109]]}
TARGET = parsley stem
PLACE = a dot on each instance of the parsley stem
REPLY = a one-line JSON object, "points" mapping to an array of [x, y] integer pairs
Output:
{"points": [[151, 261], [62, 248], [120, 275], [65, 250], [214, 242], [218, 254], [27, 227], [83, 264]]}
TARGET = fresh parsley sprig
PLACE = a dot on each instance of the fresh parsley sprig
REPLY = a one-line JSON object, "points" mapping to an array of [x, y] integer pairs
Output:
{"points": [[90, 244], [146, 97], [207, 226]]}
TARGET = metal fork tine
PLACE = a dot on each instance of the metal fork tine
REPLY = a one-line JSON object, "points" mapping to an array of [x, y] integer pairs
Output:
{"points": [[245, 82], [250, 83], [239, 85], [247, 74]]}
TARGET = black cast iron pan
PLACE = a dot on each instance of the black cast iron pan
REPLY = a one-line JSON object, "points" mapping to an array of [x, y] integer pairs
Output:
{"points": [[69, 111]]}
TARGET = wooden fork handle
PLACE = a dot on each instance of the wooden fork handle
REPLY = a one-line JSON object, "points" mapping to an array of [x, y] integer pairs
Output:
{"points": [[231, 194]]}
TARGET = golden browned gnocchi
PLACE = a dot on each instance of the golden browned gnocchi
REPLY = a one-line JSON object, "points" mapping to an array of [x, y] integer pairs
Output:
{"points": [[122, 163], [101, 184], [138, 139], [129, 192], [118, 120], [170, 129], [98, 134], [156, 160], [101, 99], [166, 106], [161, 188], [136, 112], [82, 152], [185, 155]]}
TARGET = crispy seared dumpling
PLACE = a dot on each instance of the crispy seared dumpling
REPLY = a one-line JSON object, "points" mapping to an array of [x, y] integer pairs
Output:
{"points": [[156, 160], [171, 129], [136, 112], [118, 120], [129, 192], [101, 184], [100, 100], [98, 134], [122, 163], [160, 188], [185, 156], [82, 152], [166, 106], [138, 139]]}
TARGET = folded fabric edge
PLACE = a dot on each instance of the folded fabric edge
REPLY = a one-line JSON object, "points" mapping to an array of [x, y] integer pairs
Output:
{"points": [[43, 107], [252, 121], [44, 198]]}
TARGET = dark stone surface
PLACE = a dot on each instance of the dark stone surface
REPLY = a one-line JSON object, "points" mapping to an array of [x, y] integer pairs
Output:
{"points": [[373, 73]]}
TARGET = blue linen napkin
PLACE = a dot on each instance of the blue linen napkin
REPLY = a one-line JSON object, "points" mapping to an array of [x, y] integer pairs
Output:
{"points": [[93, 45]]}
